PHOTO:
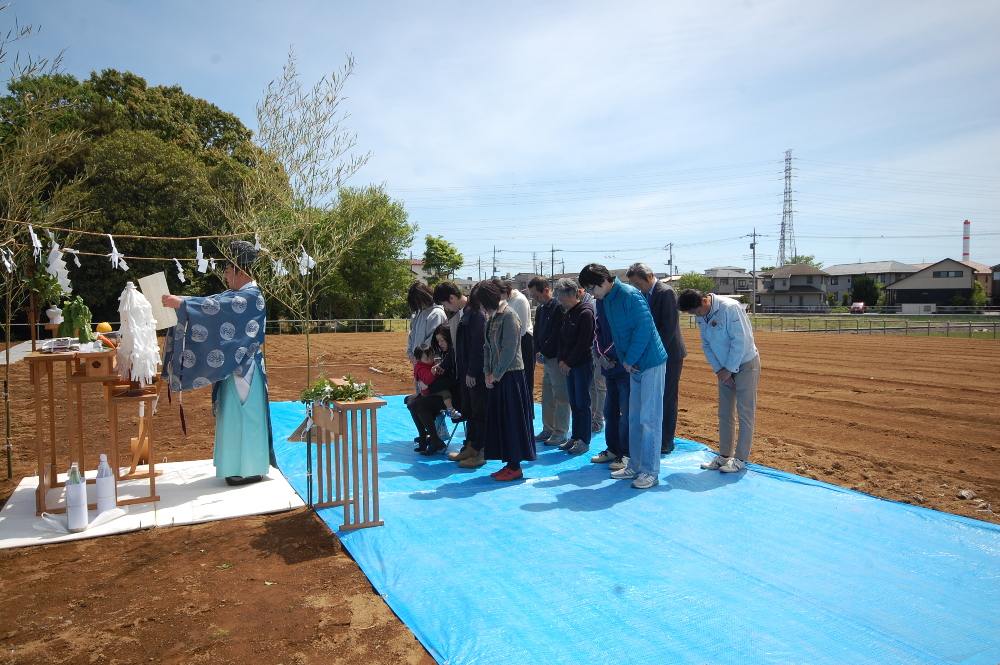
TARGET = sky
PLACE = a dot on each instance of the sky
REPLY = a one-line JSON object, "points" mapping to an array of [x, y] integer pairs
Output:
{"points": [[580, 131]]}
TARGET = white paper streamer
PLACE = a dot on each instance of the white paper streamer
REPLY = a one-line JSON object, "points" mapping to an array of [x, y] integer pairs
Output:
{"points": [[306, 262], [116, 259], [57, 266], [180, 271], [202, 261], [138, 351], [75, 253], [36, 244], [8, 258], [258, 246], [279, 269]]}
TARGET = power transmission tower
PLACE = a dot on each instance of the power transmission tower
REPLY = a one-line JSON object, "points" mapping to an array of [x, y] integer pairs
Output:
{"points": [[786, 247]]}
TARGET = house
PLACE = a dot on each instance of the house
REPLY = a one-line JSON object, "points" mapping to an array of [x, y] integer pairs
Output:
{"points": [[417, 271], [730, 281], [842, 276], [939, 283], [521, 279], [981, 272], [795, 285]]}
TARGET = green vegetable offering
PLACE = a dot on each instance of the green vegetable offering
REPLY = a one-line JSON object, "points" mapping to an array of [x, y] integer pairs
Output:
{"points": [[76, 316]]}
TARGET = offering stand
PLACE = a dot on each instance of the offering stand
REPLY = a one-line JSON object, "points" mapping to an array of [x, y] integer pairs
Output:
{"points": [[345, 437]]}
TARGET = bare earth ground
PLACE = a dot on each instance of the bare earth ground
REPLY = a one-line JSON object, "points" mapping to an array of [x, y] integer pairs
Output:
{"points": [[908, 419]]}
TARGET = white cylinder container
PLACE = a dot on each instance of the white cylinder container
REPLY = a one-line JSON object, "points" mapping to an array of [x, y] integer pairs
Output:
{"points": [[76, 500], [106, 499]]}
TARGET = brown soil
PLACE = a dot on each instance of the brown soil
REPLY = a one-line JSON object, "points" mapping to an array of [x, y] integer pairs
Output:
{"points": [[907, 419]]}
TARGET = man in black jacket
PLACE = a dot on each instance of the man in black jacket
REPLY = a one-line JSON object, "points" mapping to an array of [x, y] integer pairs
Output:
{"points": [[663, 306], [468, 330], [555, 398]]}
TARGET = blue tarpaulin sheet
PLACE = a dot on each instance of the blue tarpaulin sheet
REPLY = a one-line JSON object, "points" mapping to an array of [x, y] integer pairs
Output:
{"points": [[570, 566]]}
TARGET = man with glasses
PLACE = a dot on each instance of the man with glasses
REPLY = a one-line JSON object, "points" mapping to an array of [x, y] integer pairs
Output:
{"points": [[727, 339], [642, 355]]}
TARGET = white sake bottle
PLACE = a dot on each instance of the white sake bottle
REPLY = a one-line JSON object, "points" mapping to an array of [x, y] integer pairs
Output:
{"points": [[106, 499], [76, 500]]}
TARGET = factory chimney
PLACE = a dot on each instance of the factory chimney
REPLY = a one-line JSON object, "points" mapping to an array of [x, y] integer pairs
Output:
{"points": [[966, 232]]}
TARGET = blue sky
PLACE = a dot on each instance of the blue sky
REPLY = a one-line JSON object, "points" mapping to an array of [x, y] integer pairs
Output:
{"points": [[610, 130]]}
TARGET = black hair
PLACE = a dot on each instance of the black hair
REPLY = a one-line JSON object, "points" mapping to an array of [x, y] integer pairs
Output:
{"points": [[538, 283], [444, 291], [445, 331], [640, 270], [594, 274], [486, 295], [419, 297], [504, 285], [423, 351], [689, 299]]}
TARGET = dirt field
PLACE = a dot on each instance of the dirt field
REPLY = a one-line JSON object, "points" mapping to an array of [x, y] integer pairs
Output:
{"points": [[908, 419]]}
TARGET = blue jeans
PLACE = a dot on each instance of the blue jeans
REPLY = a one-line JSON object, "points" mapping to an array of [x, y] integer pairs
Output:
{"points": [[578, 386], [645, 419], [616, 413]]}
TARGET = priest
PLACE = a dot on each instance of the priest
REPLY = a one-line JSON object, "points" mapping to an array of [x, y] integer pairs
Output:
{"points": [[218, 341]]}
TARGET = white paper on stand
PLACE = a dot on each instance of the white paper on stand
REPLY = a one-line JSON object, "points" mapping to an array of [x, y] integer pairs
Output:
{"points": [[154, 287]]}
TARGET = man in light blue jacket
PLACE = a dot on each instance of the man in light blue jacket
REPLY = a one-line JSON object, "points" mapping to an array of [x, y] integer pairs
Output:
{"points": [[727, 340], [642, 355]]}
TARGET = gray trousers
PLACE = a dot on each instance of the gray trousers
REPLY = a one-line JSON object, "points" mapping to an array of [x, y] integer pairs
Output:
{"points": [[739, 403], [555, 399], [598, 395]]}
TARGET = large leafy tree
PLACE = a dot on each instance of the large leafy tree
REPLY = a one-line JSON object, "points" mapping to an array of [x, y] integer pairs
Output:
{"points": [[372, 274], [807, 259], [864, 289], [441, 259]]}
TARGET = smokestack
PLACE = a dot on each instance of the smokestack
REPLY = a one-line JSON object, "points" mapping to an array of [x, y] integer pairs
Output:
{"points": [[966, 232]]}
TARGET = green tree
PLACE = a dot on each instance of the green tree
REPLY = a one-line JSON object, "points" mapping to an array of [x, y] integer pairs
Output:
{"points": [[372, 274], [979, 297], [807, 259], [441, 259], [864, 289], [693, 280]]}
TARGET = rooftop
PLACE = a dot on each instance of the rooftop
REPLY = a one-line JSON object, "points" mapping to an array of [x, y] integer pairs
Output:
{"points": [[872, 268]]}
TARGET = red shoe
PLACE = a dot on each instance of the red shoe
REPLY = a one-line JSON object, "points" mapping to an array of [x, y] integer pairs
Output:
{"points": [[509, 474], [497, 473]]}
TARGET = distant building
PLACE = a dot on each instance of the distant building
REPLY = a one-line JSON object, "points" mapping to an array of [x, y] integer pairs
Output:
{"points": [[731, 281], [842, 276], [794, 285], [938, 283], [980, 271]]}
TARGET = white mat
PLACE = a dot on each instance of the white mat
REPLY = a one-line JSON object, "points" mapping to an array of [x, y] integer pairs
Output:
{"points": [[189, 493]]}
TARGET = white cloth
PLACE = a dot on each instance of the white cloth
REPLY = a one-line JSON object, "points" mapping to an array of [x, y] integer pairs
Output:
{"points": [[519, 303]]}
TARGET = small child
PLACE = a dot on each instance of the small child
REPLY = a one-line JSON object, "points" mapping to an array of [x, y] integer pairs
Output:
{"points": [[423, 371]]}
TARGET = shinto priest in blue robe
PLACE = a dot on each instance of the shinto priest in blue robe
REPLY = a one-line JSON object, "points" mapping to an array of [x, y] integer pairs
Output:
{"points": [[217, 341]]}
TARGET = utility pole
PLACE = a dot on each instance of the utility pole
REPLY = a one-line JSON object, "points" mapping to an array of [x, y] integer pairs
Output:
{"points": [[753, 273], [564, 266], [553, 264], [670, 261], [534, 257], [480, 262], [494, 261]]}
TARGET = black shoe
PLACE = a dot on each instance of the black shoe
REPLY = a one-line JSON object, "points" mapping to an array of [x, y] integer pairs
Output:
{"points": [[435, 450], [666, 450], [233, 481]]}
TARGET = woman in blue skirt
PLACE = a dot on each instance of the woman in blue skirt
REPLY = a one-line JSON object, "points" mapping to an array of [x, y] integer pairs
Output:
{"points": [[509, 433]]}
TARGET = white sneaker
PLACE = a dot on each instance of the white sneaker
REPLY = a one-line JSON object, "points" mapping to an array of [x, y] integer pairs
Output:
{"points": [[733, 465], [619, 464], [644, 481], [715, 464], [624, 474], [603, 457]]}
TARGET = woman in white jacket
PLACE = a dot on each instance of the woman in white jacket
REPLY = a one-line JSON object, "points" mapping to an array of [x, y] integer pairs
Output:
{"points": [[425, 317]]}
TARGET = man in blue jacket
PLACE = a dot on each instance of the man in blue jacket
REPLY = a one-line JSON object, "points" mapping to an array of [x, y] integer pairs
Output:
{"points": [[643, 357], [663, 306]]}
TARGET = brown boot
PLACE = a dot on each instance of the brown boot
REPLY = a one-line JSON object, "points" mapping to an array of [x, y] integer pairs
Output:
{"points": [[465, 453], [475, 460]]}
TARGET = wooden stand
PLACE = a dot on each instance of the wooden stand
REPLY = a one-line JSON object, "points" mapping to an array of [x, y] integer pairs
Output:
{"points": [[80, 369], [345, 436]]}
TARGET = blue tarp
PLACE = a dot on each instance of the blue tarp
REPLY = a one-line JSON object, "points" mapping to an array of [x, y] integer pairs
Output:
{"points": [[569, 566]]}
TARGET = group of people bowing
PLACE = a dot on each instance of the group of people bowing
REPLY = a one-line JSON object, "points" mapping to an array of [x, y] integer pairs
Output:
{"points": [[611, 355]]}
